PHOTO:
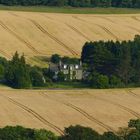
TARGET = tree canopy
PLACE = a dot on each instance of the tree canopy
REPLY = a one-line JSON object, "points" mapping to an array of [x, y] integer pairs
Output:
{"points": [[75, 3]]}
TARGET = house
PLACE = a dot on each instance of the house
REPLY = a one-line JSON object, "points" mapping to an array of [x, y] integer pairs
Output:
{"points": [[71, 71]]}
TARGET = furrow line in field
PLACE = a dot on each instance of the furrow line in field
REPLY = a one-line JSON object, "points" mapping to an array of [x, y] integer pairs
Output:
{"points": [[19, 38], [13, 14], [107, 19], [47, 17], [135, 18], [108, 32], [35, 114], [133, 28], [100, 26], [120, 106], [5, 54], [77, 18], [53, 38], [132, 93], [77, 31], [82, 112]]}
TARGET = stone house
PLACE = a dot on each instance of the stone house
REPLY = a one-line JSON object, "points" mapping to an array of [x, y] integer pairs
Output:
{"points": [[71, 71]]}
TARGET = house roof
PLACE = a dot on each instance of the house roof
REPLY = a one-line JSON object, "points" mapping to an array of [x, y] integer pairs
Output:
{"points": [[57, 67]]}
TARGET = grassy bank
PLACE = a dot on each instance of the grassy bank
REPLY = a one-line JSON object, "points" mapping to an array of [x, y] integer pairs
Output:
{"points": [[71, 10]]}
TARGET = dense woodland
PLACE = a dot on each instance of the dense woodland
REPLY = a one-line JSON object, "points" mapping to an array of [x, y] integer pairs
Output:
{"points": [[76, 3], [71, 133], [112, 64]]}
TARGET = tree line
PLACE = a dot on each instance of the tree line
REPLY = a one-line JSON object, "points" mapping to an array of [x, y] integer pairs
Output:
{"points": [[76, 3], [16, 73], [71, 133], [112, 64]]}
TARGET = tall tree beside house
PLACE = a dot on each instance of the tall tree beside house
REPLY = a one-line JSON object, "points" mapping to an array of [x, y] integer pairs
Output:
{"points": [[17, 73], [37, 77]]}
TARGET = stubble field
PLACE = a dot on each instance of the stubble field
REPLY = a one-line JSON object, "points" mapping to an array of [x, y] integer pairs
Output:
{"points": [[102, 110], [43, 34]]}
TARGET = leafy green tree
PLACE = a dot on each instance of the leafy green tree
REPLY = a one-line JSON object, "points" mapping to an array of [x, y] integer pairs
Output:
{"points": [[37, 78], [2, 72], [44, 135], [61, 77], [17, 73], [80, 133], [110, 136], [115, 81], [55, 58], [98, 80], [16, 133]]}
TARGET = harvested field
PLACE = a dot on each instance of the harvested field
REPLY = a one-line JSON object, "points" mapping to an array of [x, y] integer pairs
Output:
{"points": [[103, 110], [43, 34]]}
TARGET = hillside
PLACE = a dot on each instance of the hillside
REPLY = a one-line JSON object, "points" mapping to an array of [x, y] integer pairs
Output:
{"points": [[102, 110], [43, 34]]}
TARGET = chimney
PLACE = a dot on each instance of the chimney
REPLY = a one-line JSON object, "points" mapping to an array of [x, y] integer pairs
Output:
{"points": [[60, 63]]}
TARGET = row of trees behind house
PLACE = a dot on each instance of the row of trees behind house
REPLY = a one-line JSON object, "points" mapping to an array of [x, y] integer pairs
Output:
{"points": [[76, 3], [112, 63]]}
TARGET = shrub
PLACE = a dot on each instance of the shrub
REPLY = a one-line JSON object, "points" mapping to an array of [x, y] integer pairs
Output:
{"points": [[44, 135], [37, 77], [98, 80], [115, 81], [80, 133], [55, 58], [61, 77], [17, 73]]}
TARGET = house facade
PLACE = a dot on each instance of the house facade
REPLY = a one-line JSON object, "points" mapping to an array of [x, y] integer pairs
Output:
{"points": [[71, 71]]}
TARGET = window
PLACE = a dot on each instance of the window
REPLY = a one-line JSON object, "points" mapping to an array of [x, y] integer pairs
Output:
{"points": [[76, 66], [65, 66]]}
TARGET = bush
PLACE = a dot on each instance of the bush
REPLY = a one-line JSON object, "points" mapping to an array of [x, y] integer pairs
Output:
{"points": [[37, 77], [110, 136], [44, 135], [2, 72], [61, 77], [17, 73], [115, 82], [98, 80], [80, 133], [55, 58], [16, 133]]}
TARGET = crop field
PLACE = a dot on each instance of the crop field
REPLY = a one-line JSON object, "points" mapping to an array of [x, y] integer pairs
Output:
{"points": [[43, 34], [102, 110]]}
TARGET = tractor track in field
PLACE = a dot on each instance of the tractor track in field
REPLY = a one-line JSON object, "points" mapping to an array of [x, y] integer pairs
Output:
{"points": [[47, 17], [108, 31], [5, 54], [18, 37], [13, 14], [100, 26], [35, 114], [107, 19], [135, 29], [53, 38], [77, 18], [135, 18], [132, 112], [132, 93], [82, 112], [77, 31]]}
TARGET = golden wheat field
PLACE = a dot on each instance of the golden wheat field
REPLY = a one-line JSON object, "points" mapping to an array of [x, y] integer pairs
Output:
{"points": [[43, 34], [102, 110]]}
